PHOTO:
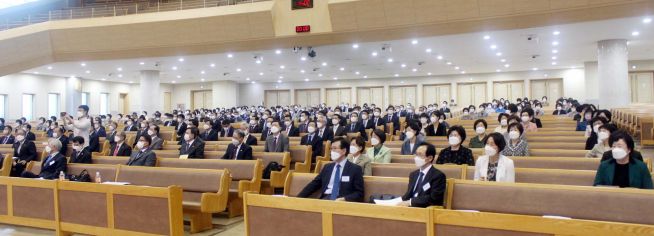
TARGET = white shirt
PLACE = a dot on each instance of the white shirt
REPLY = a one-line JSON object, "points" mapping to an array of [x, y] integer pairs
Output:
{"points": [[331, 179], [237, 149], [335, 128], [505, 170]]}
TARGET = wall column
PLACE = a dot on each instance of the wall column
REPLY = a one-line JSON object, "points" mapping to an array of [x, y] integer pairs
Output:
{"points": [[74, 96], [149, 88], [613, 73]]}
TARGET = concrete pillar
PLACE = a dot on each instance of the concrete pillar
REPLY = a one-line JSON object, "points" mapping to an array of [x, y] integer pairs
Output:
{"points": [[149, 91], [419, 96], [74, 96], [613, 73], [225, 94]]}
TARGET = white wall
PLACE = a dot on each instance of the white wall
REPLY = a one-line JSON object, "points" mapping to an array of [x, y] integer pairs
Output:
{"points": [[14, 86]]}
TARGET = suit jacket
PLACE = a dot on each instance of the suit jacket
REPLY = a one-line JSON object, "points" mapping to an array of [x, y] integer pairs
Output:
{"points": [[196, 150], [406, 145], [293, 132], [303, 127], [157, 143], [358, 128], [130, 128], [51, 167], [441, 130], [94, 143], [142, 158], [368, 124], [264, 134], [211, 136], [430, 190], [30, 136], [170, 123], [251, 140], [340, 131], [316, 144], [83, 156], [181, 129], [64, 144], [608, 155], [7, 139], [327, 133], [123, 151], [639, 176], [378, 121], [244, 152], [282, 143], [559, 112], [226, 133], [27, 151], [254, 129], [101, 132], [351, 190], [383, 156], [139, 133], [111, 136], [392, 119]]}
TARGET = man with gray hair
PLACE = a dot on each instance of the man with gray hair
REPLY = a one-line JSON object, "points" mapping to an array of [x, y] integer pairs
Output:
{"points": [[248, 139], [53, 164]]}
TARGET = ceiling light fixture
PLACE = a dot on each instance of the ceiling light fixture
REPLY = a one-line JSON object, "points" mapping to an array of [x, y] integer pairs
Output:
{"points": [[260, 73], [635, 33], [456, 68], [174, 68], [647, 20], [503, 60], [306, 80], [414, 42], [374, 54], [414, 69], [534, 68], [335, 78], [342, 68], [403, 65], [49, 67], [555, 51], [282, 67], [389, 60], [82, 64], [88, 72], [498, 70], [486, 37], [212, 65], [556, 33], [506, 65], [555, 43], [302, 71], [202, 79], [439, 57], [202, 72], [498, 54], [554, 63], [396, 75], [365, 76], [493, 47], [449, 63], [428, 50], [248, 78], [120, 76], [355, 46], [463, 72], [230, 55], [356, 72], [179, 76], [181, 59], [119, 69], [324, 64], [553, 58], [278, 51], [633, 67], [429, 73]]}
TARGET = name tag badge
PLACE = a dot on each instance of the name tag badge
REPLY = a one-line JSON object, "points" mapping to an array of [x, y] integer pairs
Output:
{"points": [[426, 187], [183, 157], [51, 162], [345, 179]]}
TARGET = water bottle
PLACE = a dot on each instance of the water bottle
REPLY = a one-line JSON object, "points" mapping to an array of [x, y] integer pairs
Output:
{"points": [[98, 178], [62, 176]]}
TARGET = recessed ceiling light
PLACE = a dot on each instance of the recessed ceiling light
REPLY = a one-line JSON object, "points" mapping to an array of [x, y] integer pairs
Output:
{"points": [[103, 79], [403, 65], [172, 81], [120, 76], [374, 54], [365, 76], [281, 77], [463, 72], [302, 71], [545, 75], [133, 82], [429, 73], [49, 67], [503, 60], [356, 72], [506, 65], [202, 79], [230, 55], [282, 67], [36, 72], [456, 68], [401, 82], [278, 51], [355, 46], [498, 70], [279, 81], [498, 54], [389, 60], [556, 33], [88, 72], [414, 70], [248, 78], [573, 67], [201, 86], [179, 76], [82, 64], [174, 68], [342, 68], [486, 37], [119, 69], [238, 69], [449, 63], [647, 20], [428, 50], [635, 33], [396, 75], [253, 82], [553, 63], [335, 78], [555, 51], [212, 65], [181, 59], [261, 73], [303, 58], [324, 64], [319, 75], [633, 67], [439, 57], [141, 63], [493, 47], [555, 43], [553, 58], [534, 68], [306, 80], [414, 42]]}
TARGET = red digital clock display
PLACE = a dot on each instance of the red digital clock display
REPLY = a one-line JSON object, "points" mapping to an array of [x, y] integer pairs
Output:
{"points": [[301, 4], [302, 29]]}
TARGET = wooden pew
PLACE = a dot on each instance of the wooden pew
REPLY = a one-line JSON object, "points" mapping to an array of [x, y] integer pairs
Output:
{"points": [[301, 158], [277, 178], [295, 182]]}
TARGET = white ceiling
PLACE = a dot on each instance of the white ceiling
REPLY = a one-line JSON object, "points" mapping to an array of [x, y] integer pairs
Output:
{"points": [[467, 52]]}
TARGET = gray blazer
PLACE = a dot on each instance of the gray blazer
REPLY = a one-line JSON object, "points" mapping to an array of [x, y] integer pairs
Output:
{"points": [[157, 144], [282, 144], [364, 162], [406, 146], [147, 158]]}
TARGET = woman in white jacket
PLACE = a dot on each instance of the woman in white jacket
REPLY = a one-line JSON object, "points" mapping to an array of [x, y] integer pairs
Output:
{"points": [[493, 166]]}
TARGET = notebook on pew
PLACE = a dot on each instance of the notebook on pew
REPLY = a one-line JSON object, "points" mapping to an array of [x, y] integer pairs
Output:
{"points": [[392, 202]]}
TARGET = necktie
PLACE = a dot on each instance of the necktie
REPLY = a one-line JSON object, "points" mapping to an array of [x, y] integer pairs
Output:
{"points": [[116, 151], [337, 183], [320, 134], [376, 124], [352, 129], [5, 141], [310, 138], [275, 144], [234, 153], [416, 189], [47, 160]]}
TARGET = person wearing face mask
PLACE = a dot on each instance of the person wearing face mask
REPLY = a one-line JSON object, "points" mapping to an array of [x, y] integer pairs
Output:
{"points": [[313, 139], [193, 146], [456, 153], [7, 137], [444, 107], [209, 133], [366, 120], [144, 156], [226, 129], [355, 126], [254, 126], [466, 114], [413, 139], [53, 164], [426, 184], [602, 146], [595, 123], [58, 133], [129, 126], [113, 130], [170, 121], [120, 148], [266, 129], [527, 115], [503, 119], [98, 129], [559, 110], [28, 132], [324, 132], [42, 126], [339, 180], [377, 119], [436, 128], [157, 141], [336, 127], [480, 126], [276, 141], [289, 129], [81, 154], [24, 152], [391, 117], [238, 150], [379, 153], [516, 146], [358, 156], [250, 140], [181, 127], [493, 166], [304, 122], [424, 123], [143, 129], [621, 165], [583, 124]]}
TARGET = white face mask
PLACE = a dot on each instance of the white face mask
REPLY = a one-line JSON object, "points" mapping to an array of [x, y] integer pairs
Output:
{"points": [[320, 125], [117, 139], [274, 129], [48, 149], [453, 140], [187, 137], [302, 118], [489, 151], [374, 141], [334, 122], [503, 122], [440, 121], [514, 135], [287, 123], [139, 145], [480, 130], [311, 129], [524, 118], [603, 135], [150, 132], [596, 128], [376, 114], [335, 155], [354, 119], [365, 117], [433, 119], [409, 134], [55, 135], [423, 120], [253, 122], [354, 149], [618, 153], [465, 113], [80, 114], [20, 138], [419, 161], [235, 142], [77, 148]]}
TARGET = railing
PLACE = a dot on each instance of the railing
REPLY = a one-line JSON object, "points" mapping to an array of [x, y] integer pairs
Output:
{"points": [[118, 9]]}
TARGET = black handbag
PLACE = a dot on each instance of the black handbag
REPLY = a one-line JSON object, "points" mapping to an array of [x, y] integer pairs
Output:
{"points": [[272, 166], [374, 197], [82, 177]]}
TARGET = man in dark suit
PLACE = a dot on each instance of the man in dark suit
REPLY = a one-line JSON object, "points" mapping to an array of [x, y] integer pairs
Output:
{"points": [[248, 139], [324, 132], [336, 128], [426, 184], [254, 126], [238, 150], [356, 127], [98, 129], [289, 128], [209, 134], [112, 132], [120, 148], [145, 156], [227, 130], [28, 132], [130, 126], [24, 152], [170, 121], [266, 129], [53, 164], [276, 141], [94, 142], [366, 120], [181, 127], [392, 118], [304, 122], [80, 154], [340, 180], [313, 140], [58, 133], [7, 137], [192, 146]]}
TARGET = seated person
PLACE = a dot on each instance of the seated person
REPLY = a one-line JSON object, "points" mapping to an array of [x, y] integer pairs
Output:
{"points": [[480, 126], [437, 126], [596, 122], [426, 184], [80, 153], [356, 126], [209, 133], [527, 118], [517, 146], [466, 114], [455, 153], [602, 146], [276, 141], [53, 164], [58, 133], [238, 150], [120, 148], [624, 141], [622, 169], [227, 130], [340, 180], [503, 118], [157, 142], [249, 139], [289, 128], [493, 166], [28, 132], [7, 137], [379, 153], [412, 140], [358, 155], [145, 156], [24, 152], [192, 146], [559, 110], [312, 139]]}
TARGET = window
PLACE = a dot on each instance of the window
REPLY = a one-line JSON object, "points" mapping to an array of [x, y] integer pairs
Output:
{"points": [[85, 99], [28, 106], [3, 105], [53, 104], [104, 103]]}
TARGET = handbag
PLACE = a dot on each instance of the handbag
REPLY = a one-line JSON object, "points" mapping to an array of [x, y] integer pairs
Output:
{"points": [[82, 177]]}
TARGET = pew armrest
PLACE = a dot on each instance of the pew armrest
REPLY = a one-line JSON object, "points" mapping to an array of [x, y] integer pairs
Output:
{"points": [[247, 186], [217, 202], [277, 178]]}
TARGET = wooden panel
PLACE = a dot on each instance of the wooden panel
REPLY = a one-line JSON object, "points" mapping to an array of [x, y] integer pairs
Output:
{"points": [[284, 97], [464, 92], [538, 89], [642, 86], [552, 88], [401, 95], [271, 98], [479, 94]]}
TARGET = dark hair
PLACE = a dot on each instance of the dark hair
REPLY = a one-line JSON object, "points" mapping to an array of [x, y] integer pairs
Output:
{"points": [[529, 111], [465, 109], [498, 139], [156, 128], [239, 133], [517, 119], [147, 138], [597, 118], [518, 126], [606, 113], [78, 140], [9, 128], [480, 121], [84, 107], [414, 126], [499, 117], [360, 142], [195, 131], [460, 130], [615, 136], [344, 144], [610, 127], [28, 126], [194, 122], [430, 152], [513, 108], [380, 134]]}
